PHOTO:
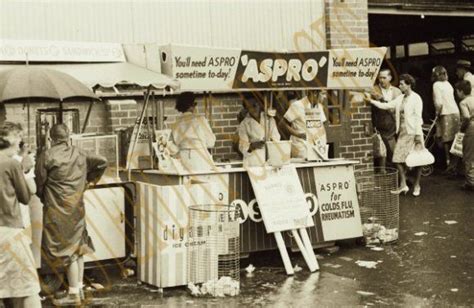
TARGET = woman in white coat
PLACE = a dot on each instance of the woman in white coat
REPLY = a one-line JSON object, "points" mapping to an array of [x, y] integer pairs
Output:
{"points": [[192, 136], [252, 132], [408, 115]]}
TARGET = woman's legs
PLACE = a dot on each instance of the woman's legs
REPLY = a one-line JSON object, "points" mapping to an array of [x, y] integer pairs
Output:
{"points": [[417, 176], [401, 172], [447, 154]]}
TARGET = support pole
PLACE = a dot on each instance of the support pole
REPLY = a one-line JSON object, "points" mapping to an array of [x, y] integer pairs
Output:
{"points": [[284, 253], [135, 138], [86, 120]]}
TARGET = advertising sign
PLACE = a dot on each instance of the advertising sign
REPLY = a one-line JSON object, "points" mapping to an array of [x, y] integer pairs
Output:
{"points": [[338, 203], [210, 69], [60, 51], [280, 197]]}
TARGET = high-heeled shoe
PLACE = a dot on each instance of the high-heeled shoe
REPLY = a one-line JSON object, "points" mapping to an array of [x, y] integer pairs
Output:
{"points": [[403, 190], [416, 191]]}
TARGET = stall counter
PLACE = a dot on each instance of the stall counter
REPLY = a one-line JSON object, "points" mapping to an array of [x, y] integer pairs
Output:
{"points": [[235, 188]]}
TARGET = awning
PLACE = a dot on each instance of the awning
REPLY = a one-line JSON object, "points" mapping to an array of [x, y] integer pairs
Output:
{"points": [[110, 74]]}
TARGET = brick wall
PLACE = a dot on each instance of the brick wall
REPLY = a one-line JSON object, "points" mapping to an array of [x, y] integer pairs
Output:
{"points": [[225, 109], [346, 27]]}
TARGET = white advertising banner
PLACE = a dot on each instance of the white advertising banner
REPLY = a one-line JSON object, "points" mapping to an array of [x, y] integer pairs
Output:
{"points": [[213, 69], [280, 198], [60, 51]]}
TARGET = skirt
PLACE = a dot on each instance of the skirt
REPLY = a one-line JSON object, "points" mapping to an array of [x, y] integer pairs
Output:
{"points": [[405, 144], [18, 276], [448, 126]]}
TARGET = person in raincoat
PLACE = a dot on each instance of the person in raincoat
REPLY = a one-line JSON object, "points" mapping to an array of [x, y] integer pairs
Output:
{"points": [[62, 175], [191, 136], [252, 132]]}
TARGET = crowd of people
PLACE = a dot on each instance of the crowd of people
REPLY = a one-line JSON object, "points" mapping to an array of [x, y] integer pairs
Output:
{"points": [[61, 176], [398, 122]]}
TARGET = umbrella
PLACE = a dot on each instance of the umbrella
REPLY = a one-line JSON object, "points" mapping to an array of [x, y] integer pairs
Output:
{"points": [[31, 82]]}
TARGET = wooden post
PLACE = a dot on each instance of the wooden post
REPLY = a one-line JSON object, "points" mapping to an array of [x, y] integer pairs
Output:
{"points": [[284, 253], [304, 251], [86, 120], [140, 122], [309, 247]]}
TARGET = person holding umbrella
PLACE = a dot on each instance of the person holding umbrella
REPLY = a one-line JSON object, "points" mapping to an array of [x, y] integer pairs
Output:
{"points": [[62, 175]]}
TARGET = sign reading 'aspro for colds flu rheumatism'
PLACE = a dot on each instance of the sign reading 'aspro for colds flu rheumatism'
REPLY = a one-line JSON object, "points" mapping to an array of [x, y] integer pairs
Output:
{"points": [[220, 69], [338, 203]]}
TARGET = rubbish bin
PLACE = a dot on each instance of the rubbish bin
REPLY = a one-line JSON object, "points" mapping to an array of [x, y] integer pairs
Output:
{"points": [[214, 248], [379, 206]]}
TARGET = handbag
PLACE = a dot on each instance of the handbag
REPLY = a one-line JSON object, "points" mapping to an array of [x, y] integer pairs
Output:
{"points": [[418, 158], [380, 150], [456, 147]]}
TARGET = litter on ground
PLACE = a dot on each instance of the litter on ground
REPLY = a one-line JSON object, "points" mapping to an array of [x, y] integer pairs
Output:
{"points": [[367, 264]]}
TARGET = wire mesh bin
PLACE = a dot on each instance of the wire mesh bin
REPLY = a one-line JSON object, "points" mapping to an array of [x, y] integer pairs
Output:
{"points": [[214, 249], [379, 206]]}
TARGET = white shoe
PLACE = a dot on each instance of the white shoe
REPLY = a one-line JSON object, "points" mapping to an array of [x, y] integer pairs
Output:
{"points": [[416, 191]]}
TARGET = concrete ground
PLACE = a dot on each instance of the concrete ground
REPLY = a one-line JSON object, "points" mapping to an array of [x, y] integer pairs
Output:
{"points": [[432, 264]]}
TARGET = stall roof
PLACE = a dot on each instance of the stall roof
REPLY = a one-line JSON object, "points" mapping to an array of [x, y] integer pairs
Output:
{"points": [[109, 74]]}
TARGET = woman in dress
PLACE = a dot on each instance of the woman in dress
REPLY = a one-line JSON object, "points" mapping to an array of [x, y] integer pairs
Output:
{"points": [[192, 136], [446, 108], [408, 117], [252, 132], [463, 89], [18, 278]]}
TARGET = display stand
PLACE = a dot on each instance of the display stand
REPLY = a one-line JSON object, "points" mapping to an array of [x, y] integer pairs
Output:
{"points": [[274, 190]]}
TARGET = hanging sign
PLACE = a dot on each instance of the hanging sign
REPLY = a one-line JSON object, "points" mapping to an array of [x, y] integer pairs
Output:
{"points": [[210, 69]]}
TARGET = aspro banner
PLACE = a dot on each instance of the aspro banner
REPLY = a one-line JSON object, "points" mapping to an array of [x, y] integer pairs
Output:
{"points": [[211, 69]]}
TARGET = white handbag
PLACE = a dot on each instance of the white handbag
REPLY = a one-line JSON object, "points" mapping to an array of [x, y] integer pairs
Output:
{"points": [[456, 148], [418, 158]]}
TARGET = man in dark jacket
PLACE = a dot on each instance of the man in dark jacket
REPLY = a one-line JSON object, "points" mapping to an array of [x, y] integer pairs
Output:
{"points": [[62, 175], [384, 120]]}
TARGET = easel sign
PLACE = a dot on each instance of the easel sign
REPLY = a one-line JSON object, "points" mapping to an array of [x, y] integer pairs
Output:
{"points": [[283, 206]]}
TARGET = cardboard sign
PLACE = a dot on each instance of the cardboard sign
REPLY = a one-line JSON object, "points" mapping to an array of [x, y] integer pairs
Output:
{"points": [[338, 203], [280, 198], [210, 69]]}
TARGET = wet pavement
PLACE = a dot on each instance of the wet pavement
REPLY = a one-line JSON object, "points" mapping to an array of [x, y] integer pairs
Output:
{"points": [[432, 264]]}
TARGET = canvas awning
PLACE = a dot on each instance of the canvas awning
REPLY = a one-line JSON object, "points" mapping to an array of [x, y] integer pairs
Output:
{"points": [[109, 74]]}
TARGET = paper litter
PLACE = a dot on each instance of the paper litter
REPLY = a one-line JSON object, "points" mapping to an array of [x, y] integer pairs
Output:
{"points": [[297, 268], [375, 233], [97, 286], [346, 259], [216, 287], [367, 264], [250, 269], [450, 222], [377, 249], [454, 289], [420, 233]]}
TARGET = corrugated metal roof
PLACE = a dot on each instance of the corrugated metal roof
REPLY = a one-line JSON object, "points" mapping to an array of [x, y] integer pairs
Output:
{"points": [[256, 25]]}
